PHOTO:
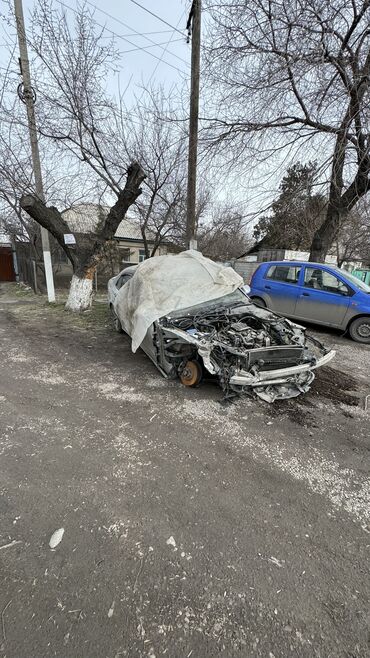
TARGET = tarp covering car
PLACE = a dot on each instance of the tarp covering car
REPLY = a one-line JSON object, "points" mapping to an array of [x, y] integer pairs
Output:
{"points": [[166, 284]]}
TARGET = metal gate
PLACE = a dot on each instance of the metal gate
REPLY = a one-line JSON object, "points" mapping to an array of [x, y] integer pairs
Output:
{"points": [[7, 272]]}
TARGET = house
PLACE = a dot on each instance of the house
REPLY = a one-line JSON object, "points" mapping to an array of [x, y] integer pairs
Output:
{"points": [[128, 247], [131, 243], [85, 218]]}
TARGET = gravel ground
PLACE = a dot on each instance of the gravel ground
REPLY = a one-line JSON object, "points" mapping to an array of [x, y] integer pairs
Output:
{"points": [[190, 528]]}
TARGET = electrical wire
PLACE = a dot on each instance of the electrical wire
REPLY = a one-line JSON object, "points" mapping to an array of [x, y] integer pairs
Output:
{"points": [[121, 37], [145, 48], [164, 50], [156, 16], [141, 34]]}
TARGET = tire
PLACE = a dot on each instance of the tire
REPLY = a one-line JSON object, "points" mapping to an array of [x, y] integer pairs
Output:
{"points": [[258, 301], [116, 321], [191, 374], [359, 330]]}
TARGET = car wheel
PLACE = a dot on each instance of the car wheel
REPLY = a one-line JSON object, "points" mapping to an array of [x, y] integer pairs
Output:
{"points": [[191, 374], [116, 321], [359, 330], [257, 301]]}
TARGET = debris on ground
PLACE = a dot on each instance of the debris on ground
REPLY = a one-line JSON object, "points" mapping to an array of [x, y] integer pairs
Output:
{"points": [[56, 538]]}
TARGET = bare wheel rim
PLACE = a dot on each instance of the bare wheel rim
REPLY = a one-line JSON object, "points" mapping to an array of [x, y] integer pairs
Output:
{"points": [[190, 375]]}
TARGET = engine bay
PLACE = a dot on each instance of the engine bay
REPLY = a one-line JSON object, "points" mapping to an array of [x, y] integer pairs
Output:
{"points": [[228, 340]]}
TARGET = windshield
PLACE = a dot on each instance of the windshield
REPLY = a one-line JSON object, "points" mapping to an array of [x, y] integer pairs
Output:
{"points": [[354, 280], [236, 298]]}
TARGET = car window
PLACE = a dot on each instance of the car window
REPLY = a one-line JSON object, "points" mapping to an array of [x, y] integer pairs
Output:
{"points": [[357, 282], [122, 280], [284, 273], [323, 280]]}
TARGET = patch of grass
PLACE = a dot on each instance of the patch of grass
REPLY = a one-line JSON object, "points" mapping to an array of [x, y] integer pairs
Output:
{"points": [[21, 290], [96, 319]]}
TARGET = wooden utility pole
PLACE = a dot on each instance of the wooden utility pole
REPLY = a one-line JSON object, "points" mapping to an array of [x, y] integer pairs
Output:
{"points": [[28, 97], [193, 27]]}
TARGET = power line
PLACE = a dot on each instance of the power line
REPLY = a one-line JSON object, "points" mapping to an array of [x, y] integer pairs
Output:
{"points": [[143, 34], [118, 20], [121, 37], [165, 49], [145, 48], [156, 16]]}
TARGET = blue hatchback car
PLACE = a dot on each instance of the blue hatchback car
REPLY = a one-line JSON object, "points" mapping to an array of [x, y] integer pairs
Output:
{"points": [[314, 292]]}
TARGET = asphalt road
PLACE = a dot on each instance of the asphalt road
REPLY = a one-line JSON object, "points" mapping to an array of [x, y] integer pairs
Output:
{"points": [[190, 528]]}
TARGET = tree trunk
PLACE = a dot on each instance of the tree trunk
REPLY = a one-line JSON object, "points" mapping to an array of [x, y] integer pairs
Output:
{"points": [[89, 247], [325, 235], [80, 294]]}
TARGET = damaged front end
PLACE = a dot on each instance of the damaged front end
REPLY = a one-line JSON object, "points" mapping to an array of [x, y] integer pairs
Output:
{"points": [[249, 349]]}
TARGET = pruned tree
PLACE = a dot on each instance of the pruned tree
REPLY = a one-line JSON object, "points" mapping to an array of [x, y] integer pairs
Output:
{"points": [[296, 213], [89, 248], [294, 76]]}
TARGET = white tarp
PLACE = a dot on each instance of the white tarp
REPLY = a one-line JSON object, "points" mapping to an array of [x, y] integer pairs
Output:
{"points": [[169, 283]]}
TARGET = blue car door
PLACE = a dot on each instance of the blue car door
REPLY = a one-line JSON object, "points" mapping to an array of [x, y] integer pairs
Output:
{"points": [[323, 296], [280, 287]]}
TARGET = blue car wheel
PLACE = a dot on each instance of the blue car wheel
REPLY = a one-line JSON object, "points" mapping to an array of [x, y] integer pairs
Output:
{"points": [[359, 330]]}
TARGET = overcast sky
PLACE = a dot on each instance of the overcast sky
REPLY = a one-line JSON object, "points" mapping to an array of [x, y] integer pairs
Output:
{"points": [[152, 50]]}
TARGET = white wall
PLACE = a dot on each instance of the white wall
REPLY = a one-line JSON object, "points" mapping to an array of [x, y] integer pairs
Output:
{"points": [[304, 255]]}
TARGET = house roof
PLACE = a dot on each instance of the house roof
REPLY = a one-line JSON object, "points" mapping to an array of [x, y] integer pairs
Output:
{"points": [[85, 218], [129, 229]]}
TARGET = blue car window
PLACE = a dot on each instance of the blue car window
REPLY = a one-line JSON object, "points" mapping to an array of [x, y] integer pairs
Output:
{"points": [[284, 273], [322, 280]]}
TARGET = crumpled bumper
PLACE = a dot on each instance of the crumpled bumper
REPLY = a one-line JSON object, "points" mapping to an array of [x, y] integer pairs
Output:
{"points": [[282, 383]]}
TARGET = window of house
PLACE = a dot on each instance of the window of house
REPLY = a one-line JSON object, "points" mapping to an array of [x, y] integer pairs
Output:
{"points": [[126, 255], [284, 273], [142, 255], [322, 280]]}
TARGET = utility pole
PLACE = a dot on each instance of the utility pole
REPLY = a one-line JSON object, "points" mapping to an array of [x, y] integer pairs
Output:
{"points": [[193, 27], [27, 95]]}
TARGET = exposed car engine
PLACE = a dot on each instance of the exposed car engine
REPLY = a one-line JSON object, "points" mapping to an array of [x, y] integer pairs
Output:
{"points": [[240, 341]]}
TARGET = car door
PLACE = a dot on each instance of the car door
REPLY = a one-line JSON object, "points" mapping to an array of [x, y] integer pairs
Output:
{"points": [[323, 297], [280, 285]]}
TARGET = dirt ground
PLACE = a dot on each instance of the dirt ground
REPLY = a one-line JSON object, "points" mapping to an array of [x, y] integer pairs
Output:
{"points": [[191, 529]]}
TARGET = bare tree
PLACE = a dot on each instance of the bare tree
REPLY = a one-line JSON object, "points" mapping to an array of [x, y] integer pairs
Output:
{"points": [[74, 119], [146, 133], [224, 237], [87, 126], [293, 76]]}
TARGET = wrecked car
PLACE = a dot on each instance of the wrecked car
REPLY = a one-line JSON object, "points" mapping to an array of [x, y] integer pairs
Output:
{"points": [[193, 319]]}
